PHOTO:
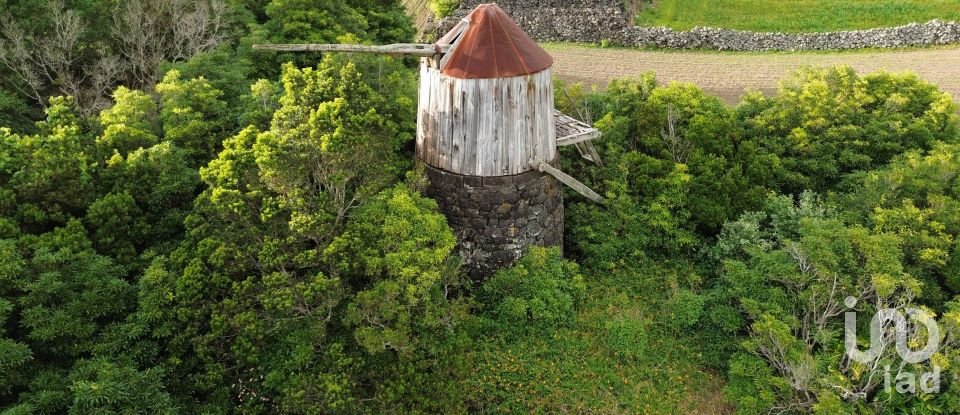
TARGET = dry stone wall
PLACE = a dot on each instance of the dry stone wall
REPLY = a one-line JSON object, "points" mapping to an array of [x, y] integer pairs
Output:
{"points": [[497, 218], [607, 21]]}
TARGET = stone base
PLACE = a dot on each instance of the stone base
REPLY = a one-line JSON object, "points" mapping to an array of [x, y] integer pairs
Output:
{"points": [[497, 218]]}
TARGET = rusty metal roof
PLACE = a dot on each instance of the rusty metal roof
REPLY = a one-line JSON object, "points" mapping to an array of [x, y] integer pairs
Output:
{"points": [[493, 46]]}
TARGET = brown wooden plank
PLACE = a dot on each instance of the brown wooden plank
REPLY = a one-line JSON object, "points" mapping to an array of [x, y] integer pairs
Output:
{"points": [[456, 156], [473, 124], [569, 181]]}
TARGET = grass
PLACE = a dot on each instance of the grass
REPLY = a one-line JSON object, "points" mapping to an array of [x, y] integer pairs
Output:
{"points": [[795, 15]]}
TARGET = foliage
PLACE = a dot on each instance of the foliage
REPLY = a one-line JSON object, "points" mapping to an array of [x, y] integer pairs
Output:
{"points": [[443, 8], [826, 123], [540, 292], [86, 203], [83, 52], [193, 115], [101, 386], [633, 229], [678, 146], [15, 113], [326, 161], [787, 270], [213, 242], [86, 49], [612, 356], [916, 196], [50, 178], [299, 257], [671, 148], [401, 247], [328, 21]]}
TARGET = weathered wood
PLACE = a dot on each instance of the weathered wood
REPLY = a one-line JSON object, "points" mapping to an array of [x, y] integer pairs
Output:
{"points": [[591, 152], [578, 138], [572, 131], [452, 39], [421, 116], [443, 129], [409, 49], [484, 133], [458, 141], [485, 127], [567, 180], [472, 90], [547, 122]]}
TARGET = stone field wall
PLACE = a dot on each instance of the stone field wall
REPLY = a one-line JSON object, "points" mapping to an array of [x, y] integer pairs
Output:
{"points": [[607, 21]]}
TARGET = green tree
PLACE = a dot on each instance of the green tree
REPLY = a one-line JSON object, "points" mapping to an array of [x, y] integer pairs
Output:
{"points": [[335, 141], [327, 21], [62, 295], [129, 124], [193, 116], [82, 213], [304, 276], [51, 177], [825, 123], [916, 196], [680, 127], [786, 271]]}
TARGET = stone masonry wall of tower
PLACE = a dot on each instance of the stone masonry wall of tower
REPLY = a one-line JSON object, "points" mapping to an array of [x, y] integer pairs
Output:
{"points": [[497, 218]]}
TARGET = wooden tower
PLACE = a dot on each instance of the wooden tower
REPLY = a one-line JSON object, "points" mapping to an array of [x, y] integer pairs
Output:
{"points": [[487, 132]]}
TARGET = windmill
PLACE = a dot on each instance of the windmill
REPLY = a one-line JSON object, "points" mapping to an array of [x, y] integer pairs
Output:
{"points": [[487, 133]]}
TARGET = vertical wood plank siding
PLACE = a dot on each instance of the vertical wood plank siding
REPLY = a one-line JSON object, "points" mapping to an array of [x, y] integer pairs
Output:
{"points": [[485, 127]]}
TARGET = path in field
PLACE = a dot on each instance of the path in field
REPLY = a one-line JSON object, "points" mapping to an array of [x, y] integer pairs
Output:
{"points": [[729, 74]]}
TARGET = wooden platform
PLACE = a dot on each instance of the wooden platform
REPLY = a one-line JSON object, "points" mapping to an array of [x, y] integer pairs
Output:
{"points": [[572, 131]]}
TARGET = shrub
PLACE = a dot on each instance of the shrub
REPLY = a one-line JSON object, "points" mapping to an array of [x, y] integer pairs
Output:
{"points": [[806, 261], [827, 123], [443, 8], [683, 310], [541, 291]]}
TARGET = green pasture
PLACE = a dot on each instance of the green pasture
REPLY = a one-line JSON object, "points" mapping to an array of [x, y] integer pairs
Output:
{"points": [[794, 15]]}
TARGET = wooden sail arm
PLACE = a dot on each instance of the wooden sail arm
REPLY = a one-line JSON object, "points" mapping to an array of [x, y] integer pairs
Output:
{"points": [[409, 49], [567, 180]]}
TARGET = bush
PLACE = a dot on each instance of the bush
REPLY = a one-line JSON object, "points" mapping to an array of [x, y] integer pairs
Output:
{"points": [[827, 123], [805, 260], [541, 291], [683, 310], [443, 8]]}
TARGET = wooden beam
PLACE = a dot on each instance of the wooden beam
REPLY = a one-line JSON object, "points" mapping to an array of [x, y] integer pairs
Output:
{"points": [[567, 180], [589, 152], [577, 138], [411, 49]]}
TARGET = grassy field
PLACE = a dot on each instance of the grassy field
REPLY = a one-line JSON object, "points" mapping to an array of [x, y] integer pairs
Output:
{"points": [[795, 15]]}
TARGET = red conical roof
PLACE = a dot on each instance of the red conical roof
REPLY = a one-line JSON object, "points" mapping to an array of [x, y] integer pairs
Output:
{"points": [[493, 46]]}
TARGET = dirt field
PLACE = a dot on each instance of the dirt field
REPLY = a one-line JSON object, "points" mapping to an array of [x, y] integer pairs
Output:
{"points": [[729, 74]]}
